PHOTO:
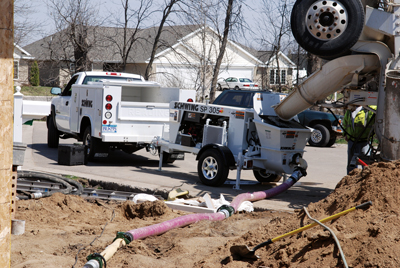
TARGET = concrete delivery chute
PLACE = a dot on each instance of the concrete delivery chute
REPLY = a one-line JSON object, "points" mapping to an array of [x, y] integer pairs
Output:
{"points": [[226, 138]]}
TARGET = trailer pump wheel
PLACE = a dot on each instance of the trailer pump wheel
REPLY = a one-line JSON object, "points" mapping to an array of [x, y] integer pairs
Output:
{"points": [[327, 28], [263, 175], [212, 169]]}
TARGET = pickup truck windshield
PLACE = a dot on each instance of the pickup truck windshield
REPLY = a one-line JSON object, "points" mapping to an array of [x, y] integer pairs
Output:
{"points": [[99, 78], [236, 99]]}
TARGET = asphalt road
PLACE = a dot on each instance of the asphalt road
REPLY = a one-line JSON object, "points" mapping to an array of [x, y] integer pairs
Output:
{"points": [[326, 167]]}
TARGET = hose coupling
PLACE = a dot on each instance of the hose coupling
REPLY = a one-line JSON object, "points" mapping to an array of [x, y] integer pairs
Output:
{"points": [[227, 210], [96, 257], [127, 237], [36, 195], [298, 173]]}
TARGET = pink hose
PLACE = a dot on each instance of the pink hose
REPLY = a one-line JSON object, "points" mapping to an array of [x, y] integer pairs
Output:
{"points": [[218, 216], [262, 194], [174, 223]]}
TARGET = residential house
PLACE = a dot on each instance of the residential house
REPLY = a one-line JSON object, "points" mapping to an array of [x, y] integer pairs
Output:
{"points": [[22, 60], [275, 73], [185, 56]]}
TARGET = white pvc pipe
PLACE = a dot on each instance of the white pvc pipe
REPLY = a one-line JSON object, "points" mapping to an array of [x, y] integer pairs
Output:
{"points": [[332, 77]]}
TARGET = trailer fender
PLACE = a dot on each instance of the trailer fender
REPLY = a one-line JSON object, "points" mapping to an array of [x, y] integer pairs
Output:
{"points": [[224, 151]]}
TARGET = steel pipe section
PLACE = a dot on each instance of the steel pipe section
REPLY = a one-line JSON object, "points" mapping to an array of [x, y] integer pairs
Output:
{"points": [[332, 77]]}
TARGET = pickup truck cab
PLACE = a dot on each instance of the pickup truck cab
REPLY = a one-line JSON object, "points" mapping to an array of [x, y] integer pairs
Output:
{"points": [[325, 126]]}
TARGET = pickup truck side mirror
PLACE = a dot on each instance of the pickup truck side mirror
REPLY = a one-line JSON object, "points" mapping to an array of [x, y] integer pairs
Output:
{"points": [[55, 91]]}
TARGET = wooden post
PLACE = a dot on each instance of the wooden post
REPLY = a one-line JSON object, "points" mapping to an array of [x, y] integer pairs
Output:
{"points": [[6, 127]]}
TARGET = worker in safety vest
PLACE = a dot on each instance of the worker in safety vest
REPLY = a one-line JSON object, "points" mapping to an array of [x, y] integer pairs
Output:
{"points": [[358, 125]]}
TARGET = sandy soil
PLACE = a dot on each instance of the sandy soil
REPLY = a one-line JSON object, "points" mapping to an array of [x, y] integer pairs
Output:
{"points": [[61, 231]]}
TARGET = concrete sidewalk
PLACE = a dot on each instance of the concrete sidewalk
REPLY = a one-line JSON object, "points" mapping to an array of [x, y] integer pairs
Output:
{"points": [[327, 166]]}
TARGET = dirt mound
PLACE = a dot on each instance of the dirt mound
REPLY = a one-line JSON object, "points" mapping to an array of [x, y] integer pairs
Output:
{"points": [[147, 209], [64, 230], [369, 238]]}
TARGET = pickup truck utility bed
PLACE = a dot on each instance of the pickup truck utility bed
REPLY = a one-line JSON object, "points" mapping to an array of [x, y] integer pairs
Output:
{"points": [[125, 112]]}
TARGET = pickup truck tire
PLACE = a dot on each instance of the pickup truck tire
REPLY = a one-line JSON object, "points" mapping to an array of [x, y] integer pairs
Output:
{"points": [[212, 169], [320, 136], [90, 142], [327, 28], [331, 141], [263, 176], [52, 134]]}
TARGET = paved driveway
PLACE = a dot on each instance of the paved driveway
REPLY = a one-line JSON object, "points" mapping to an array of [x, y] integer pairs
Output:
{"points": [[327, 166]]}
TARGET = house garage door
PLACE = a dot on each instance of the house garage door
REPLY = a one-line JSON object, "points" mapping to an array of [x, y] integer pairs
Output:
{"points": [[238, 72], [181, 77]]}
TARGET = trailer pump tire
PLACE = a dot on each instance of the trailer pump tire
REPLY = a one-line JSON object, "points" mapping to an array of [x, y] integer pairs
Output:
{"points": [[327, 28], [212, 169], [90, 142], [263, 176], [52, 133]]}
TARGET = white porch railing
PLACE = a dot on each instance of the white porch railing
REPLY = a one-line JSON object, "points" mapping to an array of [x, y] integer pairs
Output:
{"points": [[25, 110]]}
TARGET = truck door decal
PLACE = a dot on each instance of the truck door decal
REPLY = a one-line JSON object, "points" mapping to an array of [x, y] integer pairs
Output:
{"points": [[87, 103]]}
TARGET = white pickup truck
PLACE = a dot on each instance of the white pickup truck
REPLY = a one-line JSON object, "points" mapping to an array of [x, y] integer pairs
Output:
{"points": [[111, 110]]}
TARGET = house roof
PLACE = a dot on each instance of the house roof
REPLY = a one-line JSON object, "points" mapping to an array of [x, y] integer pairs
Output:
{"points": [[20, 53], [108, 51]]}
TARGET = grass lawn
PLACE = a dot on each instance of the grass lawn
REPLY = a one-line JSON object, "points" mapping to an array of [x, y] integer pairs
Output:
{"points": [[35, 91]]}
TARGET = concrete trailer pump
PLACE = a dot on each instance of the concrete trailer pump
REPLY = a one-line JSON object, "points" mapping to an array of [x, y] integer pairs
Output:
{"points": [[361, 40]]}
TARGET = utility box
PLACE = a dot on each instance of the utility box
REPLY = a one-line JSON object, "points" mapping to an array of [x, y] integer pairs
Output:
{"points": [[71, 155]]}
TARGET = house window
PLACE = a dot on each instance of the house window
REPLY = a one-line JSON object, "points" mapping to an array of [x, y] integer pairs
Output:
{"points": [[16, 69], [283, 76], [272, 77], [275, 76]]}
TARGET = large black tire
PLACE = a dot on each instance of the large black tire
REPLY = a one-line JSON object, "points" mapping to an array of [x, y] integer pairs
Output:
{"points": [[263, 176], [53, 138], [320, 136], [90, 143], [327, 28], [331, 141], [212, 169]]}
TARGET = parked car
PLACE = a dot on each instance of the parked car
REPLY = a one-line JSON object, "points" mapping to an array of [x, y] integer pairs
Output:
{"points": [[237, 83], [326, 127]]}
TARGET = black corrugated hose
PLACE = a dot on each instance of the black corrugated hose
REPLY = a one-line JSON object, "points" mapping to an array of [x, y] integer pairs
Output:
{"points": [[54, 178]]}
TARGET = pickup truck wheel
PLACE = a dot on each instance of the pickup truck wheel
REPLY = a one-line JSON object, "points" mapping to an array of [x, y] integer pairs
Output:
{"points": [[331, 141], [52, 133], [212, 169], [263, 176], [327, 28], [90, 143], [320, 136]]}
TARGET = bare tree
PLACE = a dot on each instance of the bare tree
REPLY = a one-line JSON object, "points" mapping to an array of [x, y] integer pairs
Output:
{"points": [[75, 23], [24, 26], [227, 27], [165, 14], [217, 19], [275, 32], [127, 31]]}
